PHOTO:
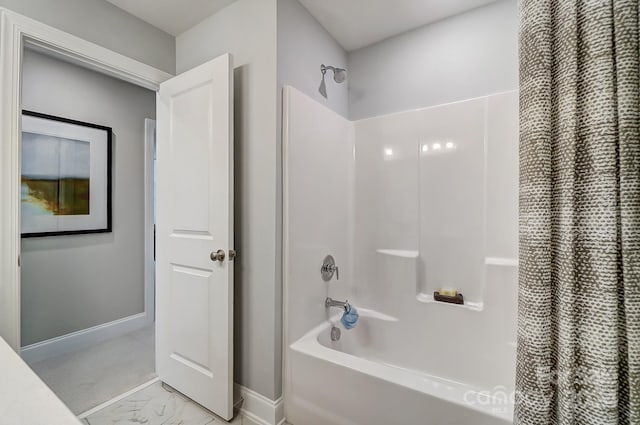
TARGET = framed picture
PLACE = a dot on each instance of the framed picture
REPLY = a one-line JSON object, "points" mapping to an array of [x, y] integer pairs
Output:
{"points": [[66, 176]]}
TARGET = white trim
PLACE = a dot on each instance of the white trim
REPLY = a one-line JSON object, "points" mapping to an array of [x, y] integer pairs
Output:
{"points": [[10, 64], [258, 409], [17, 31], [117, 398], [286, 376], [82, 339], [149, 261], [50, 40]]}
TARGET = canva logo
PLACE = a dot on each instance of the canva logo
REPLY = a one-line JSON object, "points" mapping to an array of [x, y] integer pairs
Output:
{"points": [[577, 386], [499, 399]]}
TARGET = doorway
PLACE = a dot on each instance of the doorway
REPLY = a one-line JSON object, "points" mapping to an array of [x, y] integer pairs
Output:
{"points": [[87, 296], [195, 112]]}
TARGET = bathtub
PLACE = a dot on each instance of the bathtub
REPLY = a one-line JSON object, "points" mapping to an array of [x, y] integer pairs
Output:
{"points": [[366, 378]]}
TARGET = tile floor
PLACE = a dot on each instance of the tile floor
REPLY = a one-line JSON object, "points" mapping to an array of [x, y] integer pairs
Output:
{"points": [[155, 405], [86, 378]]}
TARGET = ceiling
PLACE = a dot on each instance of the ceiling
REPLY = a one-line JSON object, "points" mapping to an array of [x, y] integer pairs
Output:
{"points": [[358, 23], [353, 23], [172, 16]]}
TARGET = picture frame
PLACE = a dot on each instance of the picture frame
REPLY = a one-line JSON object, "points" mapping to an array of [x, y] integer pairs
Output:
{"points": [[66, 176]]}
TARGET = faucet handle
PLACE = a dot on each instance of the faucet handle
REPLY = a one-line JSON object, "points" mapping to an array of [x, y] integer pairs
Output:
{"points": [[329, 268]]}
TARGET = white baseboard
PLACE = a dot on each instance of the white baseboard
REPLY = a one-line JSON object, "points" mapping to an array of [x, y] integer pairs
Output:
{"points": [[258, 409], [82, 339]]}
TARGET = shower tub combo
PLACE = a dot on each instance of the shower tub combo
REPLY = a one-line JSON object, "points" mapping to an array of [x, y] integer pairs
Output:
{"points": [[372, 375], [405, 203]]}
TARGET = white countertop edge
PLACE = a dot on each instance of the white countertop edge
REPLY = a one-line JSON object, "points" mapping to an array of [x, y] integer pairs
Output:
{"points": [[24, 398]]}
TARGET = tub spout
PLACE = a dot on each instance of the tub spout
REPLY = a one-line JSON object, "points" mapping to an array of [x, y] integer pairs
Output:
{"points": [[329, 302]]}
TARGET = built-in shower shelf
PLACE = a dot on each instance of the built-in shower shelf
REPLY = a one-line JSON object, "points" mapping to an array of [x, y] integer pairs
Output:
{"points": [[398, 253], [501, 261], [469, 305]]}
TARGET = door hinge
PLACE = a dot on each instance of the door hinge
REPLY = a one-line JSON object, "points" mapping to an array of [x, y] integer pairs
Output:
{"points": [[18, 261]]}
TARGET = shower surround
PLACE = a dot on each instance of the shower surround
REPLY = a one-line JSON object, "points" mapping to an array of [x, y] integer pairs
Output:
{"points": [[407, 204]]}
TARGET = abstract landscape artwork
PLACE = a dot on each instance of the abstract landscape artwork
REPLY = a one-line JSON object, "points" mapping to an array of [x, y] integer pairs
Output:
{"points": [[55, 175], [65, 185]]}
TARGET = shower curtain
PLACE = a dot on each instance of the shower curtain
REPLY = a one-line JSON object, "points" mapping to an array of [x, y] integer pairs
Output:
{"points": [[578, 356]]}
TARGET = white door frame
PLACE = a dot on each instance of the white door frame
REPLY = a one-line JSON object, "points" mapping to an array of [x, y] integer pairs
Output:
{"points": [[149, 222], [17, 31]]}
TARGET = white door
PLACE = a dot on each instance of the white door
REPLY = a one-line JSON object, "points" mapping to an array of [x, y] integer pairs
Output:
{"points": [[194, 289]]}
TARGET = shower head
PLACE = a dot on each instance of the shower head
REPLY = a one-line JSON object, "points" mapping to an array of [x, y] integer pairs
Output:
{"points": [[339, 76]]}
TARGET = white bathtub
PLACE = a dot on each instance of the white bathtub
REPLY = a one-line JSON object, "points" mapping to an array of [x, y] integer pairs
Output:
{"points": [[371, 377]]}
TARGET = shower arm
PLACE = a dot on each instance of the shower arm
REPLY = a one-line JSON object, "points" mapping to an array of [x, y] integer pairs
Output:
{"points": [[324, 68]]}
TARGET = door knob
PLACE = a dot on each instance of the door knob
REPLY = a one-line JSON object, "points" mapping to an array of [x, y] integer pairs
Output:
{"points": [[217, 256]]}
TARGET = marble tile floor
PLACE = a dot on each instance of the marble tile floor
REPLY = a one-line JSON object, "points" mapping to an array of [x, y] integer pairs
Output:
{"points": [[155, 405], [87, 378]]}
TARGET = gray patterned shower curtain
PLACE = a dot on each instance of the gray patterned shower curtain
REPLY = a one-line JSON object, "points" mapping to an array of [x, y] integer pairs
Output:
{"points": [[579, 291]]}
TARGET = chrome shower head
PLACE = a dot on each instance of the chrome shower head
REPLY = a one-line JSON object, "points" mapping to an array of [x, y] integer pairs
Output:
{"points": [[339, 76]]}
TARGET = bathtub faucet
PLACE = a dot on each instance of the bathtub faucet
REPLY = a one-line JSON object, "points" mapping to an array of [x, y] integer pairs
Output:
{"points": [[329, 302]]}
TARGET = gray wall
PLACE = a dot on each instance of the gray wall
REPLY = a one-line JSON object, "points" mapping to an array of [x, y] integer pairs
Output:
{"points": [[465, 56], [303, 45], [102, 23], [247, 30], [74, 282]]}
